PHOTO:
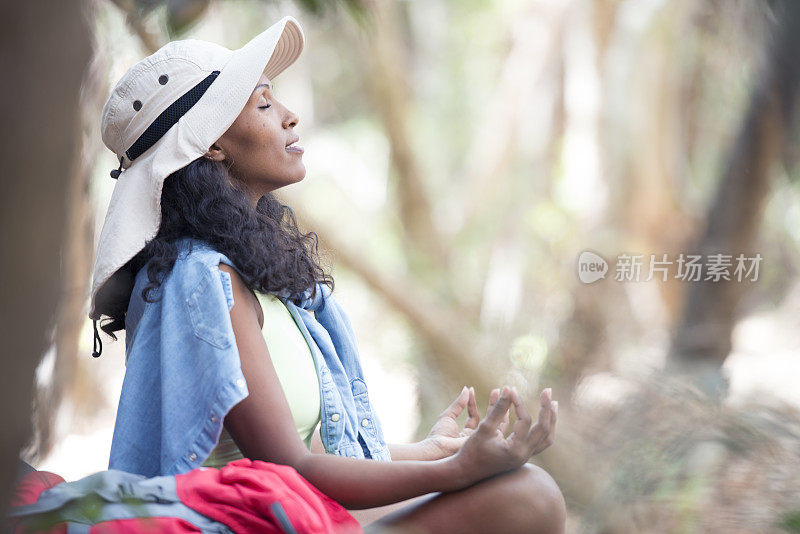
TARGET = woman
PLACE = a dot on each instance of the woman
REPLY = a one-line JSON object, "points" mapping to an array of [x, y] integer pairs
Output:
{"points": [[235, 346]]}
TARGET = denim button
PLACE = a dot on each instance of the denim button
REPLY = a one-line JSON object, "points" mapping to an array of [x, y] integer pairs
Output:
{"points": [[192, 457], [365, 422], [335, 417], [213, 418]]}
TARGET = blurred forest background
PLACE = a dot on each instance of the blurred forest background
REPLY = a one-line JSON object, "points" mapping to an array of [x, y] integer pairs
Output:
{"points": [[461, 154]]}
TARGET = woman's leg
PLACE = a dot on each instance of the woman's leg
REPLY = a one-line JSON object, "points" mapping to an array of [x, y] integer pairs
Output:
{"points": [[366, 516], [525, 500]]}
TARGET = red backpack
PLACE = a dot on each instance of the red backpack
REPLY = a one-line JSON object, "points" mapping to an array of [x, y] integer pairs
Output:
{"points": [[243, 496]]}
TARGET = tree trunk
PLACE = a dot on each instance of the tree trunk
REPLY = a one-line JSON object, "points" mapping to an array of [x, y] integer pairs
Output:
{"points": [[703, 336], [45, 48], [71, 379]]}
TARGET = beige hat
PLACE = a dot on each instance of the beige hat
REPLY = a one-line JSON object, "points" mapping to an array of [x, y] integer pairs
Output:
{"points": [[165, 112]]}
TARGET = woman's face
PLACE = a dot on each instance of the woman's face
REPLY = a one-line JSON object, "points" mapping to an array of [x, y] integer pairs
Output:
{"points": [[260, 146]]}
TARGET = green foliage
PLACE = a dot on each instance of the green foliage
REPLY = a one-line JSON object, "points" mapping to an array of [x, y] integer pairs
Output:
{"points": [[790, 522]]}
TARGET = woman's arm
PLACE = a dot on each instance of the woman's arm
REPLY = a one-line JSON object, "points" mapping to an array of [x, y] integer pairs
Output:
{"points": [[398, 451], [420, 450], [263, 428]]}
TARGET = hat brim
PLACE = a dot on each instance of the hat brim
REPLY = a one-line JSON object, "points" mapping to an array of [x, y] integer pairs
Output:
{"points": [[134, 211]]}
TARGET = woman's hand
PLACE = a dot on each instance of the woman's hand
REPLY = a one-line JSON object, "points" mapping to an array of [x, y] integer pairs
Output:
{"points": [[445, 437], [487, 452]]}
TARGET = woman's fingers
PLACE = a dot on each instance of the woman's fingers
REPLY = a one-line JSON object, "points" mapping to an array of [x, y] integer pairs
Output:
{"points": [[551, 436], [527, 440], [457, 406], [538, 435], [472, 410], [493, 396], [499, 409], [544, 398], [521, 426]]}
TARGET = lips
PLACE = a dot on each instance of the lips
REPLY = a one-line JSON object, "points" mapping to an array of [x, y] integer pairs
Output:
{"points": [[292, 146]]}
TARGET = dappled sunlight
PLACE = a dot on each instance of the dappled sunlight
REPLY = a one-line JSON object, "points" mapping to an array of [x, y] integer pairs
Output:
{"points": [[508, 193]]}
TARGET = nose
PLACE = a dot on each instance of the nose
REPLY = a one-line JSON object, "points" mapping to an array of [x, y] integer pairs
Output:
{"points": [[291, 119]]}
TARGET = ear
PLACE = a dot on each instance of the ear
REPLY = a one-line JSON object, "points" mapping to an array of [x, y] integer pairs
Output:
{"points": [[215, 153]]}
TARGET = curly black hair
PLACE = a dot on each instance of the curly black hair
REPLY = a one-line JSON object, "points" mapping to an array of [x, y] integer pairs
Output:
{"points": [[204, 201]]}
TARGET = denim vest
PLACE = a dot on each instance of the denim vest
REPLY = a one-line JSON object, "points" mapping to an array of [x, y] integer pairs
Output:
{"points": [[183, 372]]}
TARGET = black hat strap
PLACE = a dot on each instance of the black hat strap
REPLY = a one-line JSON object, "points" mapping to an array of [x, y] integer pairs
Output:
{"points": [[167, 119], [97, 347]]}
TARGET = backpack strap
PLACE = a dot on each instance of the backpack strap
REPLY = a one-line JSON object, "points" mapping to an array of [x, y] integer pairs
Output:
{"points": [[110, 495]]}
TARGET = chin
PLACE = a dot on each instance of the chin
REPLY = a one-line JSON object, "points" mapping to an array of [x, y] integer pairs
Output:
{"points": [[300, 174], [290, 179]]}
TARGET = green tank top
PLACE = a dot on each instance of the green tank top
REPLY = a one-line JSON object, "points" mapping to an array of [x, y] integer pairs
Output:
{"points": [[294, 364]]}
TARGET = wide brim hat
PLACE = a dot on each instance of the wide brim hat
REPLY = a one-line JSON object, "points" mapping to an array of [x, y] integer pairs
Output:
{"points": [[153, 96]]}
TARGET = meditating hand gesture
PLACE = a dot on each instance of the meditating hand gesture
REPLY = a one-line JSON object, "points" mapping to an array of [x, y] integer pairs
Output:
{"points": [[487, 451], [446, 437]]}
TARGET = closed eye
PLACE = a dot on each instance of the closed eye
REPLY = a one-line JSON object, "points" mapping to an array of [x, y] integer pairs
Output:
{"points": [[264, 107]]}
